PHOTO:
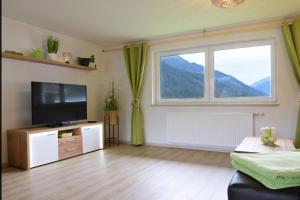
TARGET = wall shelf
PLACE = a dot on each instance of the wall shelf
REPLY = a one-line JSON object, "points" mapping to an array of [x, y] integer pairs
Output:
{"points": [[31, 59]]}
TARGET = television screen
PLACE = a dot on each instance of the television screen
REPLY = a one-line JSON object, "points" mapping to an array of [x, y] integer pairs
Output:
{"points": [[54, 103]]}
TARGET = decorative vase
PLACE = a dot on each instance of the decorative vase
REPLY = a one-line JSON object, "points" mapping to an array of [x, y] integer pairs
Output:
{"points": [[111, 117], [268, 135], [84, 61], [52, 56]]}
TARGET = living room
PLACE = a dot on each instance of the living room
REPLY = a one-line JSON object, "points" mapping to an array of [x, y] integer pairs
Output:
{"points": [[173, 95]]}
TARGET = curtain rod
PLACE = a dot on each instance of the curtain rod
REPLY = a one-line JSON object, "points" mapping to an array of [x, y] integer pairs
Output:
{"points": [[127, 46], [131, 45], [209, 32], [120, 48]]}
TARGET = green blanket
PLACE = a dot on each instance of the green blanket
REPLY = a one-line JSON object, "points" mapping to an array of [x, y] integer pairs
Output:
{"points": [[275, 170]]}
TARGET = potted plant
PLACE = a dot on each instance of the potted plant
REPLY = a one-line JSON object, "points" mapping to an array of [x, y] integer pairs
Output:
{"points": [[36, 53], [52, 48], [111, 106], [92, 61]]}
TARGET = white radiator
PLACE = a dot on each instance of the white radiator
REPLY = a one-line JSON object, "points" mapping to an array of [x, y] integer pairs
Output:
{"points": [[215, 131]]}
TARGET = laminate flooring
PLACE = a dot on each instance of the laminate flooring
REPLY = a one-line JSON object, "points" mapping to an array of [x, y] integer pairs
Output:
{"points": [[127, 173]]}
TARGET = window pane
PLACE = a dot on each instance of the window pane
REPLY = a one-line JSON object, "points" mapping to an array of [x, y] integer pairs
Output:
{"points": [[243, 72], [182, 76]]}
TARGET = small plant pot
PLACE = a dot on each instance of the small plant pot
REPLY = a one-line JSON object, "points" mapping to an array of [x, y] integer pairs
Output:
{"points": [[84, 61], [111, 117], [52, 56], [92, 65]]}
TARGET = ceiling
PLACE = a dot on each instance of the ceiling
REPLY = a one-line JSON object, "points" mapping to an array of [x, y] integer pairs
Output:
{"points": [[115, 22]]}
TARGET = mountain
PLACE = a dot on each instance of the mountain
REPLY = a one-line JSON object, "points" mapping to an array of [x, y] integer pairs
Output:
{"points": [[263, 85], [180, 63], [182, 79], [179, 83]]}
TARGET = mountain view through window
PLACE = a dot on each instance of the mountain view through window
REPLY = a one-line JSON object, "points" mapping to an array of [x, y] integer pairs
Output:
{"points": [[182, 76], [243, 72]]}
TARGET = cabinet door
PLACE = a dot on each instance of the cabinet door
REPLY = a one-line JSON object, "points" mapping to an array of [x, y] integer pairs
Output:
{"points": [[43, 148], [92, 138]]}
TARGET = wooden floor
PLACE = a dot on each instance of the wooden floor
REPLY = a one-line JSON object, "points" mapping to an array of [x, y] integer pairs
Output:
{"points": [[125, 172]]}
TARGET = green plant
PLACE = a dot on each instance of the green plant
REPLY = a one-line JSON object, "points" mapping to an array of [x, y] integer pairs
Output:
{"points": [[267, 136], [92, 59], [111, 102], [36, 53], [52, 45]]}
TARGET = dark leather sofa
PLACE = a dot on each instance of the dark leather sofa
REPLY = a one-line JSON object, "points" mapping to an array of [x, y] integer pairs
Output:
{"points": [[243, 187]]}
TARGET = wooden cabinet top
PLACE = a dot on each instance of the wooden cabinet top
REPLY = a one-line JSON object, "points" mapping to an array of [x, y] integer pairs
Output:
{"points": [[33, 130]]}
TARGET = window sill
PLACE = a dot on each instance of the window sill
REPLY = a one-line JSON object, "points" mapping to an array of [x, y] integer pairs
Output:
{"points": [[216, 104]]}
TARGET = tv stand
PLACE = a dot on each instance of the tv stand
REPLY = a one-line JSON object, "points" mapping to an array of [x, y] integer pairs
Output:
{"points": [[32, 147]]}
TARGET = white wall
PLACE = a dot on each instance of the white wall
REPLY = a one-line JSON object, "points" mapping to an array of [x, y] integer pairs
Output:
{"points": [[282, 116], [17, 75]]}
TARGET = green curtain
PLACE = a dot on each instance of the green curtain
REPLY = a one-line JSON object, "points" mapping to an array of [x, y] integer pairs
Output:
{"points": [[291, 33], [135, 59]]}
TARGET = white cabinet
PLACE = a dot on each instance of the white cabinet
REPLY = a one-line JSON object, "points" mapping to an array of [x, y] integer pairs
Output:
{"points": [[43, 148], [28, 148], [92, 137]]}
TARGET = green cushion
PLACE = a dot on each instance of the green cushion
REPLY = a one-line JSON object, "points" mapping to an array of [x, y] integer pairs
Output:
{"points": [[274, 170]]}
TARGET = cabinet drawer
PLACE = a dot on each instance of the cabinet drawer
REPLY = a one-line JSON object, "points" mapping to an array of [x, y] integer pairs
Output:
{"points": [[70, 152], [70, 140], [70, 146], [73, 141]]}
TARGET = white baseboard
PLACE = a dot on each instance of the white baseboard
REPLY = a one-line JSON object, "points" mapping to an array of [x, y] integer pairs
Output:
{"points": [[189, 146]]}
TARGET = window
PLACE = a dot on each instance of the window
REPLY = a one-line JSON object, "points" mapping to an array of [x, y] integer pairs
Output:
{"points": [[234, 73], [182, 76], [243, 72]]}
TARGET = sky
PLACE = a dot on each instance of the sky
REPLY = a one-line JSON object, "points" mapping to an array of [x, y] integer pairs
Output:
{"points": [[198, 58], [249, 64]]}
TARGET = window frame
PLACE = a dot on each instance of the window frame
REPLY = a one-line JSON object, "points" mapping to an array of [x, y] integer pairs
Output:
{"points": [[250, 100], [209, 98], [158, 55]]}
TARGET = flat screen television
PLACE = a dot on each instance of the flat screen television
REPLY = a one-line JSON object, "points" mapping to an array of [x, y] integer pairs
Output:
{"points": [[58, 103]]}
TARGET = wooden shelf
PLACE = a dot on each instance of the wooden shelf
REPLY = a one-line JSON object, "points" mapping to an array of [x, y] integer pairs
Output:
{"points": [[31, 59]]}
